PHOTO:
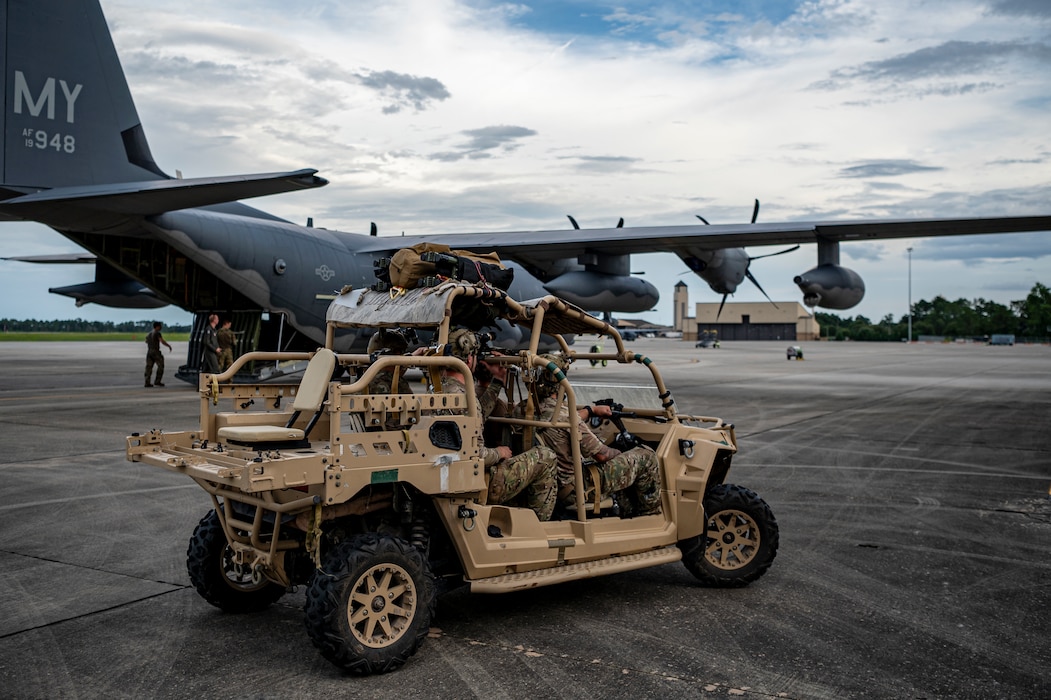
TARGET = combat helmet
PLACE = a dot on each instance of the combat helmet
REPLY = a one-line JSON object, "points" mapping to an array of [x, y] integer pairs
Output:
{"points": [[463, 343], [391, 339], [548, 381]]}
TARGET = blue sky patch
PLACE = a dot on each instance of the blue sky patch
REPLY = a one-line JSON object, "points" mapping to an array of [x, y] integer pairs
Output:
{"points": [[640, 20]]}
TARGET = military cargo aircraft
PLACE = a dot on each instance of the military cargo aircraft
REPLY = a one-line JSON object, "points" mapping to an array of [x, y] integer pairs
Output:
{"points": [[76, 158]]}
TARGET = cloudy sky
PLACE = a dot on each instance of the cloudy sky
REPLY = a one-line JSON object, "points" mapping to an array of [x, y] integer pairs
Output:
{"points": [[443, 115]]}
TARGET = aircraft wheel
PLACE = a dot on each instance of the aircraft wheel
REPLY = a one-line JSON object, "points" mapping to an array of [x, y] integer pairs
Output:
{"points": [[740, 539], [210, 564], [370, 607]]}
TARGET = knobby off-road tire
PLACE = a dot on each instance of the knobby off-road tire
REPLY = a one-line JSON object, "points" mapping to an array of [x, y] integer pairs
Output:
{"points": [[370, 607], [740, 539], [209, 562]]}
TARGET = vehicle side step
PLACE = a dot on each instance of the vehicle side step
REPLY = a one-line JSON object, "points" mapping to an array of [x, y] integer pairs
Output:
{"points": [[572, 572]]}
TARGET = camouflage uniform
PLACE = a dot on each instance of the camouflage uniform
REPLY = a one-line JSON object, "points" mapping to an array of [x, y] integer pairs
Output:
{"points": [[384, 384], [154, 356], [389, 342], [227, 340], [637, 468], [528, 477], [531, 476]]}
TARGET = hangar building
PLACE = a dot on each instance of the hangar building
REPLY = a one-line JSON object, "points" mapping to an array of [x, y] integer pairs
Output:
{"points": [[749, 320]]}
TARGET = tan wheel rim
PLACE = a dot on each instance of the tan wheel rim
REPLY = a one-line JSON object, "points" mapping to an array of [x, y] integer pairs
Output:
{"points": [[733, 539], [382, 605]]}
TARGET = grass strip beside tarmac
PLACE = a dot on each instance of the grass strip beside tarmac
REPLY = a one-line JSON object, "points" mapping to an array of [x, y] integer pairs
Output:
{"points": [[85, 336]]}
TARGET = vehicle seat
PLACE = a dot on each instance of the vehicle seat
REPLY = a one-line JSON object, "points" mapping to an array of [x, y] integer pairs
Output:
{"points": [[309, 397]]}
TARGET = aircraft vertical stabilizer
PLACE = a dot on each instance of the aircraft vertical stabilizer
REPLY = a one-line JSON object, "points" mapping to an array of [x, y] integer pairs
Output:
{"points": [[70, 119]]}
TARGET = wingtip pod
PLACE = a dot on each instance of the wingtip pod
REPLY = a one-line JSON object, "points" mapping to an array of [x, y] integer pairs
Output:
{"points": [[302, 179]]}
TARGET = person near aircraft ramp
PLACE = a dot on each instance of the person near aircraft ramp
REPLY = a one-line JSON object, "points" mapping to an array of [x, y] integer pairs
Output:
{"points": [[154, 356], [227, 340], [210, 346]]}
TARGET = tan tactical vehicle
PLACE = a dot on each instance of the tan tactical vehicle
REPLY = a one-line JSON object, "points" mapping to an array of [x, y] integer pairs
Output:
{"points": [[377, 503]]}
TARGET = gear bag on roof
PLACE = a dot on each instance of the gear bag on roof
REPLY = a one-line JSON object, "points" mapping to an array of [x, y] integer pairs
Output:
{"points": [[430, 264]]}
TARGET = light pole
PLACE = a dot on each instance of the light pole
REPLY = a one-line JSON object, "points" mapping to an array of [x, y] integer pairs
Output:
{"points": [[910, 295]]}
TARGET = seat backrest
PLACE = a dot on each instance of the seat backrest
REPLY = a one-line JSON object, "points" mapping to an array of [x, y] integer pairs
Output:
{"points": [[311, 392]]}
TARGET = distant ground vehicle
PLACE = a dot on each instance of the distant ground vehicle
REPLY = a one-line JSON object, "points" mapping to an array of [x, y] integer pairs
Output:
{"points": [[707, 339], [311, 485], [1002, 339], [628, 336]]}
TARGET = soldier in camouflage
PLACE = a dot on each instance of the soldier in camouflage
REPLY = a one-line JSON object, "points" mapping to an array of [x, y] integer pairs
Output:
{"points": [[530, 476], [154, 356], [388, 342], [636, 469], [226, 340]]}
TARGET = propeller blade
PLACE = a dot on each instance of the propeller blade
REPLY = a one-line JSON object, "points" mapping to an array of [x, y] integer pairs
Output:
{"points": [[721, 304], [755, 211], [780, 252], [574, 222], [703, 220], [749, 275]]}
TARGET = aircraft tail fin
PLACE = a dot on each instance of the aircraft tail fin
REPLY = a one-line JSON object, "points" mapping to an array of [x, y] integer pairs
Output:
{"points": [[74, 153], [69, 118]]}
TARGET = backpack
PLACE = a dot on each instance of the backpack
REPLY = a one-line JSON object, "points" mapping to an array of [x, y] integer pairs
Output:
{"points": [[430, 264]]}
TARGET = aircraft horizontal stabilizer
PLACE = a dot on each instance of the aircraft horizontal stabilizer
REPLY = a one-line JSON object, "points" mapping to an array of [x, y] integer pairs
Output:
{"points": [[58, 259], [102, 205]]}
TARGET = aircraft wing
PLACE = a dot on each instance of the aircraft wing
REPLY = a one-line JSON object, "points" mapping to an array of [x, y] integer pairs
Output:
{"points": [[563, 243], [102, 205]]}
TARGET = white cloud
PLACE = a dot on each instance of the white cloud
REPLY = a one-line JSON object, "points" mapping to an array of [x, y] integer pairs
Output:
{"points": [[436, 115]]}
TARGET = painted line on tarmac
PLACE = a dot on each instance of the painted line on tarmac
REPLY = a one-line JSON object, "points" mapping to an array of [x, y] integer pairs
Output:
{"points": [[56, 501], [887, 455], [833, 467]]}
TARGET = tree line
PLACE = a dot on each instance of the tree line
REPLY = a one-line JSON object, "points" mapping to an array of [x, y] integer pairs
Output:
{"points": [[79, 325], [1028, 319]]}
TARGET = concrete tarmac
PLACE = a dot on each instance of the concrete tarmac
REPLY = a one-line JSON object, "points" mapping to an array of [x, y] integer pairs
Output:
{"points": [[910, 483]]}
